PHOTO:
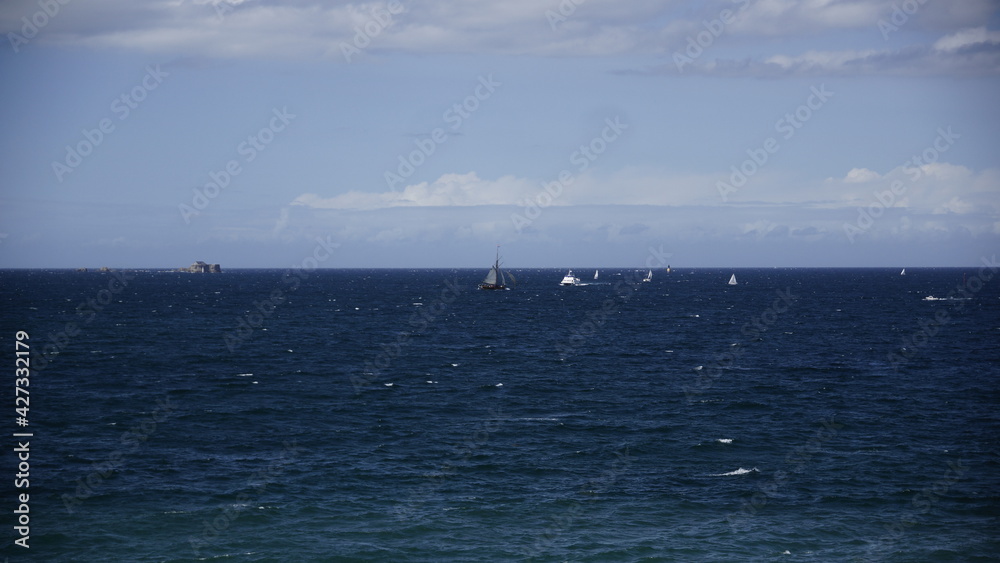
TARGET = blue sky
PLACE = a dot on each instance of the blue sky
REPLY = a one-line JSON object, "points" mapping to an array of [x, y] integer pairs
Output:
{"points": [[726, 133]]}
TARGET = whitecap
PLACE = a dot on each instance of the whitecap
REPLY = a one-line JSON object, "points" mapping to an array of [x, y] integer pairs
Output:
{"points": [[243, 374], [740, 471], [725, 440], [499, 385]]}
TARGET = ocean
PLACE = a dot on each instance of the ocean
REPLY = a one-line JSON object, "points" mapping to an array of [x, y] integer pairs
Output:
{"points": [[404, 415]]}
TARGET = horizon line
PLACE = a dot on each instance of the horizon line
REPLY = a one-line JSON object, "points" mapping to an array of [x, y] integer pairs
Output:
{"points": [[87, 269]]}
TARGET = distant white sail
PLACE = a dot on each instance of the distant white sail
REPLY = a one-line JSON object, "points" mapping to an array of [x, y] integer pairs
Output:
{"points": [[649, 276], [595, 274], [902, 272], [732, 280]]}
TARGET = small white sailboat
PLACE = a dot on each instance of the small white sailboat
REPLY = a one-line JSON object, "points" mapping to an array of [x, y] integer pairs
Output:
{"points": [[649, 276], [902, 272], [732, 280], [595, 274], [569, 279]]}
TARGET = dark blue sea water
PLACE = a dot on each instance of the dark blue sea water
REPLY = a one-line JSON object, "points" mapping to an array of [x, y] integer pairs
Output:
{"points": [[400, 415]]}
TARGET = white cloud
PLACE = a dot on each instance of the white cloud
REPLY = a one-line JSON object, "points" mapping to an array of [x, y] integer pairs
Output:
{"points": [[315, 29], [760, 228], [933, 188], [450, 190], [967, 38], [970, 52], [587, 229], [859, 175], [937, 187], [282, 223], [782, 17], [955, 205], [629, 186], [438, 220]]}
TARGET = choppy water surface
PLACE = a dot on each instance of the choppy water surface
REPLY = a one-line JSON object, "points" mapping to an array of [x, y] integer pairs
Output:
{"points": [[400, 415]]}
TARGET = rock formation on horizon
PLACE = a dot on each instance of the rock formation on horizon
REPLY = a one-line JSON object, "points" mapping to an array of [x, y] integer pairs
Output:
{"points": [[200, 267]]}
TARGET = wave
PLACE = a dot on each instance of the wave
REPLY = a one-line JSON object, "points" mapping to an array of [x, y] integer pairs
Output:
{"points": [[740, 471]]}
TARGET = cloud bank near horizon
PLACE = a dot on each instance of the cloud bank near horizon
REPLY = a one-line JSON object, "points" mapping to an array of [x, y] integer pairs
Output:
{"points": [[337, 31]]}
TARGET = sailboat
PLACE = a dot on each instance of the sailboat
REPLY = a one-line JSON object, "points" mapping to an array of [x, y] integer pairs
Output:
{"points": [[495, 278], [595, 274], [668, 268], [649, 276], [902, 272], [732, 280]]}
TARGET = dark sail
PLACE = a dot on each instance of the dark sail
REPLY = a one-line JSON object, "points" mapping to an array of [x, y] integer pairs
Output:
{"points": [[491, 279]]}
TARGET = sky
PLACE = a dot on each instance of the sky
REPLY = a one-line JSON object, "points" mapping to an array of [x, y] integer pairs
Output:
{"points": [[572, 133]]}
